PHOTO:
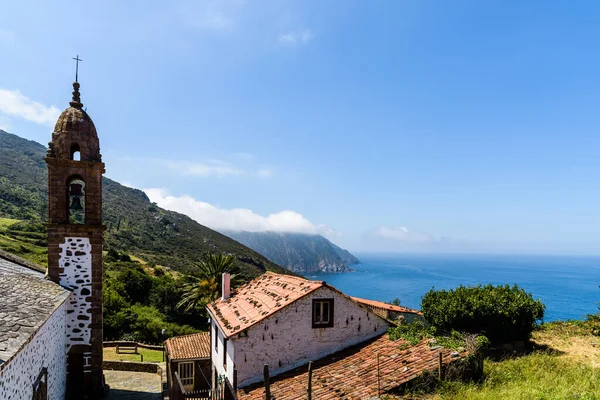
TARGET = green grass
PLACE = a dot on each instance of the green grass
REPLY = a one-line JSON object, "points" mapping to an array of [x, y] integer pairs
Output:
{"points": [[22, 244], [6, 222], [155, 356], [566, 366], [541, 375]]}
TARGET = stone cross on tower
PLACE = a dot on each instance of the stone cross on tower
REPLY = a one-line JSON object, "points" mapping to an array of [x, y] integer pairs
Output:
{"points": [[77, 59], [75, 238]]}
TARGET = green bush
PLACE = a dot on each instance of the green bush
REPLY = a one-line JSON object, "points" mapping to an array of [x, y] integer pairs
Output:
{"points": [[502, 313], [413, 333]]}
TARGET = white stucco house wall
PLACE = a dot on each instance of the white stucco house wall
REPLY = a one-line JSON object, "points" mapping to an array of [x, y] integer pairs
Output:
{"points": [[283, 321], [33, 334]]}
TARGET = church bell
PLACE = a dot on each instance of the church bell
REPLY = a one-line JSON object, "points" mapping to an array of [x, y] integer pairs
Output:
{"points": [[76, 197], [76, 204]]}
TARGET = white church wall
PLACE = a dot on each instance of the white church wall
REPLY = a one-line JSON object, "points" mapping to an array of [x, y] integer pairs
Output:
{"points": [[76, 261], [45, 349], [286, 339]]}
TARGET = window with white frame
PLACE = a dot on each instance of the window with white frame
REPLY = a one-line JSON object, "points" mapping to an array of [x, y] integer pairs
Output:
{"points": [[185, 370], [322, 315]]}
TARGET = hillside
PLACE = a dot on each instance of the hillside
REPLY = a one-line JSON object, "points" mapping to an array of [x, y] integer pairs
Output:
{"points": [[297, 252], [134, 225]]}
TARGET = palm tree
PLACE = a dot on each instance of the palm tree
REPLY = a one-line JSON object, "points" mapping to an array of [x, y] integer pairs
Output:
{"points": [[206, 287], [198, 294]]}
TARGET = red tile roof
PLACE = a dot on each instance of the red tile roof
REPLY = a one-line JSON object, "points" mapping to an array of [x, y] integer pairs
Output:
{"points": [[259, 299], [189, 347], [386, 306], [352, 373]]}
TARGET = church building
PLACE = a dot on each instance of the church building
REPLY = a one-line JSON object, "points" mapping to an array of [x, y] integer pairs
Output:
{"points": [[51, 325]]}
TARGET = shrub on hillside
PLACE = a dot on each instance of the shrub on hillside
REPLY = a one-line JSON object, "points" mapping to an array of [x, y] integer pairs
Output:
{"points": [[502, 313]]}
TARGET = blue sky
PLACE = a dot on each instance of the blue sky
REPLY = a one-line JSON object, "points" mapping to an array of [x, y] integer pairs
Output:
{"points": [[435, 126]]}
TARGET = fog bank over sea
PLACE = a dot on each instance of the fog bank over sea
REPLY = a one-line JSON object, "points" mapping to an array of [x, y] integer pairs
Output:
{"points": [[568, 285]]}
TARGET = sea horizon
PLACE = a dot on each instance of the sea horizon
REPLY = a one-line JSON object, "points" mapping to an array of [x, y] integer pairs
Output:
{"points": [[567, 284]]}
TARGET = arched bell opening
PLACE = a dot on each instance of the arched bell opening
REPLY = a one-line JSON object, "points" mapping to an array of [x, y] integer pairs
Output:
{"points": [[76, 200], [75, 152]]}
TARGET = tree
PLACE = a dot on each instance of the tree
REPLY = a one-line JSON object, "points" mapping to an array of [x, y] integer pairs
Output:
{"points": [[206, 287], [395, 302], [503, 313]]}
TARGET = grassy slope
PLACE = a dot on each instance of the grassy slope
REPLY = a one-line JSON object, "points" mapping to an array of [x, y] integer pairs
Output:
{"points": [[135, 225], [25, 244], [568, 368]]}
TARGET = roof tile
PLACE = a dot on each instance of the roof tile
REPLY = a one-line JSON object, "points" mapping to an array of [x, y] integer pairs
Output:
{"points": [[188, 347], [386, 306], [352, 373], [258, 299]]}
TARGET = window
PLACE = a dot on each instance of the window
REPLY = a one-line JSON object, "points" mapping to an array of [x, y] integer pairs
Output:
{"points": [[216, 340], [225, 353], [322, 315], [75, 152], [185, 370], [40, 387]]}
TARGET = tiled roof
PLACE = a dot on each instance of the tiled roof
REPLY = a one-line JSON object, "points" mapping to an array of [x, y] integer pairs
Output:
{"points": [[258, 299], [189, 347], [352, 373], [386, 306], [27, 300]]}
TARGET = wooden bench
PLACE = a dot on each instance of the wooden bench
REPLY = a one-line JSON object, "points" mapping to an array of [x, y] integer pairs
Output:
{"points": [[127, 349]]}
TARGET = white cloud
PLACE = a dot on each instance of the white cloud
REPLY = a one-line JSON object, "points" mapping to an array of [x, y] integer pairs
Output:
{"points": [[236, 219], [402, 234], [210, 168], [15, 104], [212, 15], [297, 37], [214, 167]]}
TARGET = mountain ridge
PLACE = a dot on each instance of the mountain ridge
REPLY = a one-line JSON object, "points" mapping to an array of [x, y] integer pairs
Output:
{"points": [[298, 252]]}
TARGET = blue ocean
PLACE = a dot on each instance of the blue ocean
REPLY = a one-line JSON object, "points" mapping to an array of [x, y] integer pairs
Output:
{"points": [[567, 285]]}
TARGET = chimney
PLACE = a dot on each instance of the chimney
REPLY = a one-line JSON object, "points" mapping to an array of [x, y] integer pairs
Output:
{"points": [[226, 286]]}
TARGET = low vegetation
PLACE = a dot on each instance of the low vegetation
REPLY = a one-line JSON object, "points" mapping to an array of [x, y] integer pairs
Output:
{"points": [[502, 313], [526, 360], [563, 363], [416, 331]]}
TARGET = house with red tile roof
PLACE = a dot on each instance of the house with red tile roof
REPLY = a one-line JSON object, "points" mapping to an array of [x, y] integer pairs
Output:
{"points": [[283, 321], [189, 369]]}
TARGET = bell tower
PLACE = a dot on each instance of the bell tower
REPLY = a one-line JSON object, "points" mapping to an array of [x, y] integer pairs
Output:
{"points": [[75, 238]]}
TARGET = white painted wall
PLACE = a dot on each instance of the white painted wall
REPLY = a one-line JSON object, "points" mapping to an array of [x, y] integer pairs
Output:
{"points": [[46, 349], [286, 339], [217, 356], [76, 261]]}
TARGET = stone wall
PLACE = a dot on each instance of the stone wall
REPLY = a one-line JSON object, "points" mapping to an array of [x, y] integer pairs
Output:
{"points": [[134, 366], [46, 349], [286, 339]]}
